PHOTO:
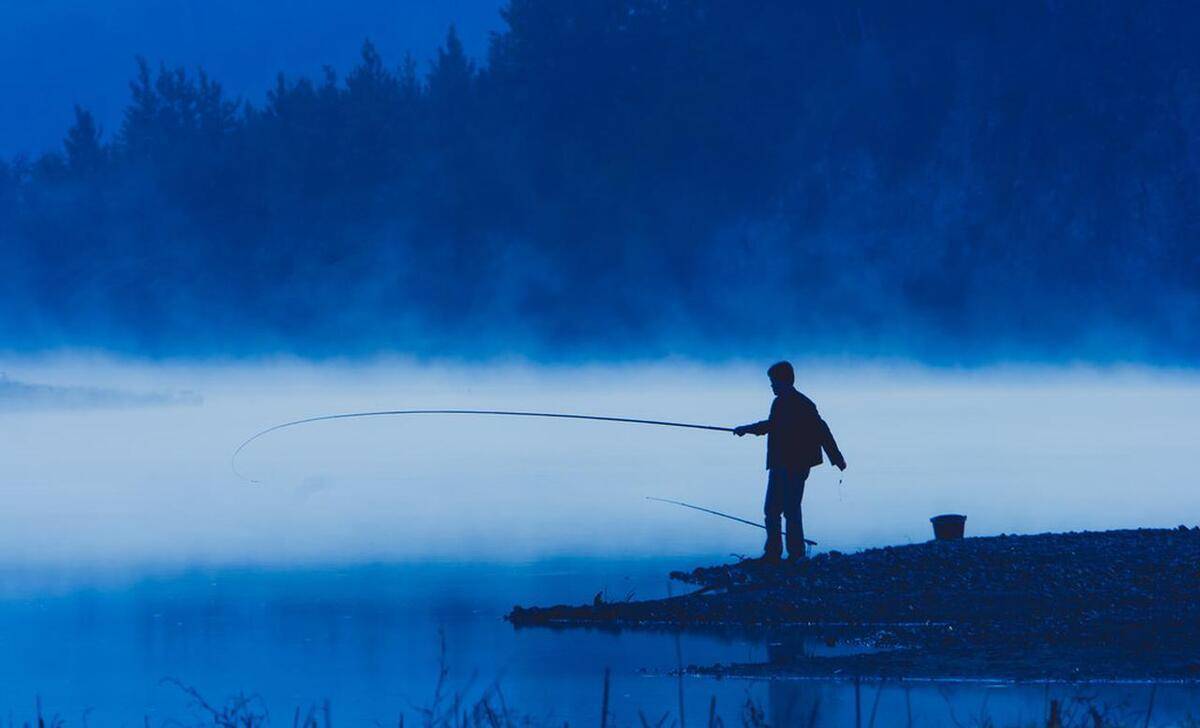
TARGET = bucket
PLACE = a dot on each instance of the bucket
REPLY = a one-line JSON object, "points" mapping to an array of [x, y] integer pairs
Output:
{"points": [[948, 527]]}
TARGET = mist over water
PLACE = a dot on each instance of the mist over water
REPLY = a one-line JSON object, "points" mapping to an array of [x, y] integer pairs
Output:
{"points": [[973, 225], [128, 542], [149, 484]]}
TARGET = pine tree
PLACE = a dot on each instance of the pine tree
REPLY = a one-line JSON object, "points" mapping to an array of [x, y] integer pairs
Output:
{"points": [[216, 115], [85, 154], [141, 115], [410, 85], [451, 79]]}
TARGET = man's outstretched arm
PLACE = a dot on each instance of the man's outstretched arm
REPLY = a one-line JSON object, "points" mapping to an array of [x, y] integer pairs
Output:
{"points": [[830, 446], [757, 428]]}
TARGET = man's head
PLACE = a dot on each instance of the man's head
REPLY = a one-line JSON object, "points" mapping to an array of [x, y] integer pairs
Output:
{"points": [[782, 376]]}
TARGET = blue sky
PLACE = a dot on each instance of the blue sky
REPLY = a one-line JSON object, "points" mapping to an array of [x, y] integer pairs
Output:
{"points": [[56, 53]]}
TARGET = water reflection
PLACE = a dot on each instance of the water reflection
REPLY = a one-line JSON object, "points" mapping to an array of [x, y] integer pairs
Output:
{"points": [[367, 639], [899, 703], [786, 648]]}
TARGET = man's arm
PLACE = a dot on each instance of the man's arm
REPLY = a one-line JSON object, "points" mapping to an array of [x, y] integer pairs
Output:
{"points": [[757, 428], [831, 448]]}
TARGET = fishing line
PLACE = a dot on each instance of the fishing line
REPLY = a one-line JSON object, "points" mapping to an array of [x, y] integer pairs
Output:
{"points": [[499, 413]]}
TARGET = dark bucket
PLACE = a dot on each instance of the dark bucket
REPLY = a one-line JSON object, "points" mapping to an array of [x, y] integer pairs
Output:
{"points": [[948, 527]]}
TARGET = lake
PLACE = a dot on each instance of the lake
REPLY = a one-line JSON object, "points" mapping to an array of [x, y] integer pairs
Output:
{"points": [[130, 552], [366, 638]]}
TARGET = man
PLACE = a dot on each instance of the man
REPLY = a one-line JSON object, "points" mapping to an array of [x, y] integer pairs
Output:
{"points": [[796, 434]]}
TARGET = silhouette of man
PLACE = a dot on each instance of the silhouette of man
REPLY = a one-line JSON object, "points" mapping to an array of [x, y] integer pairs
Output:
{"points": [[796, 435]]}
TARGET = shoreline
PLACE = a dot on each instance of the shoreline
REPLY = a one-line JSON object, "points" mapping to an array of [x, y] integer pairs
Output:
{"points": [[1107, 606]]}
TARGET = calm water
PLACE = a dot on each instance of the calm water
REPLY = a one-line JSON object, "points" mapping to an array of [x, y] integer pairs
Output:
{"points": [[115, 477], [366, 638]]}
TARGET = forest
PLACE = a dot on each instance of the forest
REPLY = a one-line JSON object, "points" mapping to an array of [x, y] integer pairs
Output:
{"points": [[1005, 180]]}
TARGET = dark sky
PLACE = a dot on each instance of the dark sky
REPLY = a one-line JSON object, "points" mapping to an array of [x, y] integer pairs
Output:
{"points": [[55, 53]]}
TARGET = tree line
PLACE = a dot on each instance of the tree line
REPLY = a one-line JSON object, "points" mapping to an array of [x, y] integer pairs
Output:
{"points": [[963, 181]]}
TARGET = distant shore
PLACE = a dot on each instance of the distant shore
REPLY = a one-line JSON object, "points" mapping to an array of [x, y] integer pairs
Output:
{"points": [[1111, 605]]}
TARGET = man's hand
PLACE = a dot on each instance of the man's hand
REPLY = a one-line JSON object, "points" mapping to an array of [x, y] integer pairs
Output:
{"points": [[841, 464], [740, 430]]}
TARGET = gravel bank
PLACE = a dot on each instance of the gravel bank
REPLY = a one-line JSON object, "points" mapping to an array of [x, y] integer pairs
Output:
{"points": [[1112, 604]]}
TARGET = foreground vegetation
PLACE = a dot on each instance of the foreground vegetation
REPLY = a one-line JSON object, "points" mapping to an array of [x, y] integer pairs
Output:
{"points": [[489, 710]]}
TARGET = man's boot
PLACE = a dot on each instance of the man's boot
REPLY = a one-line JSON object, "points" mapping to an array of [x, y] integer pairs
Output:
{"points": [[773, 549], [796, 547]]}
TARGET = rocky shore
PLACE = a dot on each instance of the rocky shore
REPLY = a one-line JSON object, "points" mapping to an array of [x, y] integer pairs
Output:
{"points": [[1091, 605]]}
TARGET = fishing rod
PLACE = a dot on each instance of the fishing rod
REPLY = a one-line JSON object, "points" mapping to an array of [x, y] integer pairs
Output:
{"points": [[716, 513], [499, 413]]}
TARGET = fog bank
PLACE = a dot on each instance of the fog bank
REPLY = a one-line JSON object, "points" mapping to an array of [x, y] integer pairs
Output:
{"points": [[1017, 450]]}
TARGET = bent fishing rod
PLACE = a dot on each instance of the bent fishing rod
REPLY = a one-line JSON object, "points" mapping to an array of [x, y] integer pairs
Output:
{"points": [[497, 413]]}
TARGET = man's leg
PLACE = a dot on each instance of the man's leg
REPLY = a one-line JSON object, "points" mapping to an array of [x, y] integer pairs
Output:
{"points": [[773, 511], [791, 511]]}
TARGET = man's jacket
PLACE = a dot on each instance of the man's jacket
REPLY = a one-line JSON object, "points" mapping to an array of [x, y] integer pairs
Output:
{"points": [[796, 434]]}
